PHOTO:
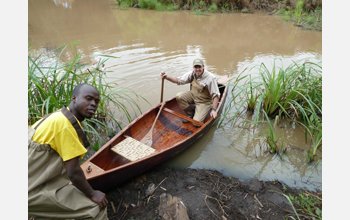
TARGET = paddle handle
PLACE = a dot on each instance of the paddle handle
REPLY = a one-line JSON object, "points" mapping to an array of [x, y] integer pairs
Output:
{"points": [[161, 93]]}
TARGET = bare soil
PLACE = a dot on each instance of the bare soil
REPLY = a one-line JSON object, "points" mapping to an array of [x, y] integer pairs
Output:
{"points": [[206, 194]]}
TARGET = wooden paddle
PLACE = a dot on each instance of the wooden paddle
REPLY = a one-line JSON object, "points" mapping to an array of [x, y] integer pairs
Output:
{"points": [[161, 93], [148, 138]]}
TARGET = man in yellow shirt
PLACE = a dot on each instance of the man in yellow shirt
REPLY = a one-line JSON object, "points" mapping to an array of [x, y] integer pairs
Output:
{"points": [[54, 149]]}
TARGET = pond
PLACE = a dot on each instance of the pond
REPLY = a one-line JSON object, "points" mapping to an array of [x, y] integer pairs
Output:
{"points": [[147, 42]]}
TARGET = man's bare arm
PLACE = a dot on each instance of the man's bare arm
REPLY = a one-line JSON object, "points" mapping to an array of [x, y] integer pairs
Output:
{"points": [[77, 177], [169, 78]]}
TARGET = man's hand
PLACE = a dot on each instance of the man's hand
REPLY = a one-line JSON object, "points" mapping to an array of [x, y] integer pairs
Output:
{"points": [[99, 198], [213, 113], [163, 75]]}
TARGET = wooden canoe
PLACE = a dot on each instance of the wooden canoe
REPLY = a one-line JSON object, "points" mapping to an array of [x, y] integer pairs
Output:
{"points": [[108, 167]]}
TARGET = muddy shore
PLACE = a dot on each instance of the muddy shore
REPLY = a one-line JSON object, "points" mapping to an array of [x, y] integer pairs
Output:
{"points": [[205, 194]]}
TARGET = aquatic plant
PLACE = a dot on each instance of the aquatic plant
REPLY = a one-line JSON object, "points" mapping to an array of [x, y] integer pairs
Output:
{"points": [[293, 93], [253, 95], [51, 81], [274, 142], [271, 136], [280, 87], [312, 123], [236, 103]]}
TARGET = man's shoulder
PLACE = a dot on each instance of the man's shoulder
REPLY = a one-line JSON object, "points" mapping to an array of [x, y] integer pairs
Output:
{"points": [[185, 78], [53, 125], [55, 118], [188, 73], [209, 75]]}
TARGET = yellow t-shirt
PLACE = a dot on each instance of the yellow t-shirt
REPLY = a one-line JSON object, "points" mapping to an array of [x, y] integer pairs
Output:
{"points": [[59, 133]]}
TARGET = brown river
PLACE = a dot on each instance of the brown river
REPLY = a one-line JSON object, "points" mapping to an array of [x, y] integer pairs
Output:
{"points": [[147, 42]]}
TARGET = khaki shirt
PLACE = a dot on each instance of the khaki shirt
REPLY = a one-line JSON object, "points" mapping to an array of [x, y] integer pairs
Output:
{"points": [[207, 79]]}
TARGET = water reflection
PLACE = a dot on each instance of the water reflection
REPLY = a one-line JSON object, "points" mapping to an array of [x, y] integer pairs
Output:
{"points": [[64, 3]]}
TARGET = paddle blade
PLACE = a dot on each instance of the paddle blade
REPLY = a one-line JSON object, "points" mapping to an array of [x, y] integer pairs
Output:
{"points": [[147, 139]]}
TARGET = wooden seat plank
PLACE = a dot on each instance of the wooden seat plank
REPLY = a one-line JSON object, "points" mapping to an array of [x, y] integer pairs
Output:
{"points": [[183, 116]]}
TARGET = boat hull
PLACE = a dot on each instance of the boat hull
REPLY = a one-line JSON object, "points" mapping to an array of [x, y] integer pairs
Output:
{"points": [[109, 170]]}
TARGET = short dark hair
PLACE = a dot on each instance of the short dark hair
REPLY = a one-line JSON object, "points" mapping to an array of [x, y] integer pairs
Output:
{"points": [[76, 90]]}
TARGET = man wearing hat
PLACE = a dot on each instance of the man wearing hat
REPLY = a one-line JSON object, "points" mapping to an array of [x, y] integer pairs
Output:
{"points": [[204, 92]]}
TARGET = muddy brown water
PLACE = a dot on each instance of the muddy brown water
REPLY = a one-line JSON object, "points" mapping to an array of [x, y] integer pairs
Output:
{"points": [[148, 42]]}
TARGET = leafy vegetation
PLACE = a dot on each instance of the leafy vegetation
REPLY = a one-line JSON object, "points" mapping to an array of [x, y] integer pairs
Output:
{"points": [[310, 19], [155, 5], [300, 14], [305, 204], [51, 81], [293, 93], [126, 3]]}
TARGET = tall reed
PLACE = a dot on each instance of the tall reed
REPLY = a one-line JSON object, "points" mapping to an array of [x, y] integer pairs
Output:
{"points": [[51, 81]]}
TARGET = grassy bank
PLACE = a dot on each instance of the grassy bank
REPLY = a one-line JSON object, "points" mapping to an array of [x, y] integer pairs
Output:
{"points": [[303, 13], [52, 78], [271, 94], [302, 17]]}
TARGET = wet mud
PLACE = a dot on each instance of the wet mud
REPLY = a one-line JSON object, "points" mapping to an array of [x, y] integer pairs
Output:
{"points": [[206, 194]]}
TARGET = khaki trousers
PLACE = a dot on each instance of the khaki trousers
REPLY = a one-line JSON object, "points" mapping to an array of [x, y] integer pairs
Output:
{"points": [[50, 196], [200, 97]]}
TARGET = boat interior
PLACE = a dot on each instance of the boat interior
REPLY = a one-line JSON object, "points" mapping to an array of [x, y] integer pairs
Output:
{"points": [[168, 130]]}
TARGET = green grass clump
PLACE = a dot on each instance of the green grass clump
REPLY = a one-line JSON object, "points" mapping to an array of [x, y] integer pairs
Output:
{"points": [[51, 81], [213, 8], [198, 12], [309, 19], [126, 3], [306, 204], [226, 7], [293, 93], [148, 4], [156, 5]]}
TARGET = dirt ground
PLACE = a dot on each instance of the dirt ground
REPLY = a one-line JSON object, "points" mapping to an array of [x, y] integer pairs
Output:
{"points": [[206, 194]]}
